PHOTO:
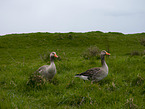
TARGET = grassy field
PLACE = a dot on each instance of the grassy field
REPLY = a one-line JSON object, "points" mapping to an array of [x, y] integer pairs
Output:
{"points": [[22, 54]]}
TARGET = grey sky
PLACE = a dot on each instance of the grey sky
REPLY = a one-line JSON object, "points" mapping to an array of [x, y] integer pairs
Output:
{"points": [[26, 16]]}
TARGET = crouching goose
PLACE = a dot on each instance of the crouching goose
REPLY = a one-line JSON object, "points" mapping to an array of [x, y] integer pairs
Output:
{"points": [[48, 71], [98, 73]]}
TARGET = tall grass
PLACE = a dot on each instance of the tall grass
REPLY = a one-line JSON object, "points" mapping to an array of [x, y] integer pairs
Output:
{"points": [[22, 54]]}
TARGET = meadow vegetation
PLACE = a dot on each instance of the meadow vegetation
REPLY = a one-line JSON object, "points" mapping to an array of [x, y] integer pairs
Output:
{"points": [[22, 54]]}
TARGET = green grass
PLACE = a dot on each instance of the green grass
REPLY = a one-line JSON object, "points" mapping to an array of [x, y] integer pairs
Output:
{"points": [[21, 55]]}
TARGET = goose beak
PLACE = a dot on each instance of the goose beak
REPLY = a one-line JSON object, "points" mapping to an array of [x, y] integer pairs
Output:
{"points": [[55, 56], [108, 53]]}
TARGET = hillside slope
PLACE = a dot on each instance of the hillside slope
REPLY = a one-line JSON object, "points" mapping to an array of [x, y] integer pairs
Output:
{"points": [[22, 54]]}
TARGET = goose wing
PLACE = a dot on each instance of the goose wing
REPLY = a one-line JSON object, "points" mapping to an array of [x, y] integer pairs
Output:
{"points": [[42, 69], [91, 73]]}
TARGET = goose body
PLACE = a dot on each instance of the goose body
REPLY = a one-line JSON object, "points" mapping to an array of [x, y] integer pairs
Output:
{"points": [[48, 71], [97, 73]]}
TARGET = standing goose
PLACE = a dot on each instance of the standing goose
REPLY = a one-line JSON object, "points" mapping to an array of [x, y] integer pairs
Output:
{"points": [[48, 71], [97, 73]]}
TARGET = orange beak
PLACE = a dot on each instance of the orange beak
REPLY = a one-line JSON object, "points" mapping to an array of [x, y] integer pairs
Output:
{"points": [[55, 56], [108, 53]]}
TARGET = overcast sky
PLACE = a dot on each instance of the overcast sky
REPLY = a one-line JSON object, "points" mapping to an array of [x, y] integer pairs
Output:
{"points": [[26, 16]]}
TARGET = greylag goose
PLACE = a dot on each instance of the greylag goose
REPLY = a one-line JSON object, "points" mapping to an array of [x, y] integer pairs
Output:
{"points": [[98, 73], [48, 71]]}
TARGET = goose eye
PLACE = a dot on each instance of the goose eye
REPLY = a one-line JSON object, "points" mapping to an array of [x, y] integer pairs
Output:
{"points": [[53, 53]]}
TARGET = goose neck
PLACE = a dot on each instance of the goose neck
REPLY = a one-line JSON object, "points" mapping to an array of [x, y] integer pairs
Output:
{"points": [[103, 60], [52, 59], [104, 65]]}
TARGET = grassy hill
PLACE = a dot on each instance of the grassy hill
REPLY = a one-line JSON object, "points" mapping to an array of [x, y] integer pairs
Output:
{"points": [[22, 54]]}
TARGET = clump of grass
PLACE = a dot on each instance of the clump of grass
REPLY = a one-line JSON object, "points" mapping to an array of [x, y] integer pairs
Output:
{"points": [[135, 53], [5, 102], [143, 53], [143, 90], [70, 36], [70, 84], [96, 32], [92, 51], [116, 33], [54, 81], [129, 104], [138, 81], [60, 37], [45, 56], [76, 100], [142, 41], [36, 80]]}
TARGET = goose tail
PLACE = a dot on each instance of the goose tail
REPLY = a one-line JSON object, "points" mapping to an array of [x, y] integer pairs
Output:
{"points": [[81, 76], [77, 75]]}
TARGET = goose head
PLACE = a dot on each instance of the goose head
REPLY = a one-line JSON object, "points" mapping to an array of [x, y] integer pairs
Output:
{"points": [[53, 54], [103, 53]]}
